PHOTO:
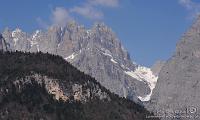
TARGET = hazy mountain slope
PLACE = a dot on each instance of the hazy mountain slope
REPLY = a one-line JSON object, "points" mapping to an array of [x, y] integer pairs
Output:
{"points": [[96, 51], [178, 83], [32, 84], [156, 68]]}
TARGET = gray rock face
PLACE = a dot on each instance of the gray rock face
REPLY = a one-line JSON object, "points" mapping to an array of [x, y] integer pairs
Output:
{"points": [[179, 80], [156, 68], [3, 46], [78, 92], [96, 51]]}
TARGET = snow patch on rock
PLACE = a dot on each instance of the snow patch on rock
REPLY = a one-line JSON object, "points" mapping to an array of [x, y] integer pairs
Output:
{"points": [[15, 34], [146, 75], [108, 53], [71, 57], [112, 60], [36, 35]]}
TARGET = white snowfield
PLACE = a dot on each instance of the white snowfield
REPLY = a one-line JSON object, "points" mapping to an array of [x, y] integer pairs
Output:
{"points": [[143, 74], [146, 75]]}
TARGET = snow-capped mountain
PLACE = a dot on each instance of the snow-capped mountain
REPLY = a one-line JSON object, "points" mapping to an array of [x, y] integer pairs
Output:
{"points": [[96, 51]]}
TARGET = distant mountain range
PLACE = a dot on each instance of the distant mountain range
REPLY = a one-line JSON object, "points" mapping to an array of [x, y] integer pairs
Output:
{"points": [[96, 51]]}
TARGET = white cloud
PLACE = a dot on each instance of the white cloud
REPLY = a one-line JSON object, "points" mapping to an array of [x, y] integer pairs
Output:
{"points": [[187, 4], [60, 16], [90, 9], [88, 12], [108, 3], [191, 6]]}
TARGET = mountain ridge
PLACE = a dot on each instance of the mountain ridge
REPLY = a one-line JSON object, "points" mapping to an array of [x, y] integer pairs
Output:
{"points": [[96, 51]]}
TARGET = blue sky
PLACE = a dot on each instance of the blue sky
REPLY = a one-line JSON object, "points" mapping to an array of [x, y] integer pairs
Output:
{"points": [[149, 29]]}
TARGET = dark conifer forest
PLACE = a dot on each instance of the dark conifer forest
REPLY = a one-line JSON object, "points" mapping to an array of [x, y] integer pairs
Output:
{"points": [[34, 102]]}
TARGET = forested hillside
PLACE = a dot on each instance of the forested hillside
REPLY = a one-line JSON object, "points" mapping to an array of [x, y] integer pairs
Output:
{"points": [[22, 96]]}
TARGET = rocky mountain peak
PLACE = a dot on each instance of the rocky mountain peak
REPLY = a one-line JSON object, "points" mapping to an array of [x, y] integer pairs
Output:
{"points": [[102, 29], [96, 51], [103, 37], [178, 85], [189, 44], [100, 26], [16, 31]]}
